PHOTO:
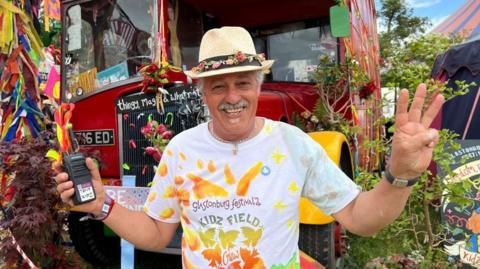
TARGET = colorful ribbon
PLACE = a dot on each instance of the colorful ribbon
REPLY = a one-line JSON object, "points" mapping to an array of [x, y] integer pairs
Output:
{"points": [[62, 119], [8, 31], [22, 116]]}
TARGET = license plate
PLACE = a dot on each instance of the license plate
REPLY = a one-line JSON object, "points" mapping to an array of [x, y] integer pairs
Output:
{"points": [[96, 137]]}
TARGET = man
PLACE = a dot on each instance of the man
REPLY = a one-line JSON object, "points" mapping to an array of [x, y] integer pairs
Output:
{"points": [[234, 183]]}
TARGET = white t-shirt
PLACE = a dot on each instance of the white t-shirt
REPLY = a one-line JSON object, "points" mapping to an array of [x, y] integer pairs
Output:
{"points": [[242, 210]]}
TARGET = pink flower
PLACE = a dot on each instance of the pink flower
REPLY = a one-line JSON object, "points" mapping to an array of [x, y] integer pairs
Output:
{"points": [[157, 156], [261, 57], [201, 66], [147, 130], [150, 150], [161, 128], [167, 135], [154, 152], [216, 65], [240, 56]]}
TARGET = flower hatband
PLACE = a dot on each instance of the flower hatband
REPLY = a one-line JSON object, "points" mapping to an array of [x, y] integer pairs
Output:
{"points": [[237, 59]]}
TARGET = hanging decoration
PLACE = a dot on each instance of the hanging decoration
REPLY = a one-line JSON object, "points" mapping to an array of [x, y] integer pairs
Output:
{"points": [[24, 31], [52, 11], [155, 75], [62, 119], [21, 49], [21, 124]]}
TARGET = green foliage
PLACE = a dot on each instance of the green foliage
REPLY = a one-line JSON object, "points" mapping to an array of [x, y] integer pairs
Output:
{"points": [[336, 82], [410, 65], [419, 227]]}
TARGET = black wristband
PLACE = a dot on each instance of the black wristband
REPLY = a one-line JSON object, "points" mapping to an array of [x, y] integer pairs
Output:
{"points": [[399, 182]]}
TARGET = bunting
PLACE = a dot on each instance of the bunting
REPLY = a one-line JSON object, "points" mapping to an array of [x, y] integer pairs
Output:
{"points": [[52, 11]]}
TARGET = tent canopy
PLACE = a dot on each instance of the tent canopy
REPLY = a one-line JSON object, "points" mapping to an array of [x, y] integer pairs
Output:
{"points": [[465, 21]]}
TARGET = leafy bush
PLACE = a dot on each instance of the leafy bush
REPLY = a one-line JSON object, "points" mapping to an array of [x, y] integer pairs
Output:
{"points": [[35, 215], [419, 230]]}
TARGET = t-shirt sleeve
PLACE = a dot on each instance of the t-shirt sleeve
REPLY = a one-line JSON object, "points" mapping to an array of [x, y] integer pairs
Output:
{"points": [[325, 183], [162, 202]]}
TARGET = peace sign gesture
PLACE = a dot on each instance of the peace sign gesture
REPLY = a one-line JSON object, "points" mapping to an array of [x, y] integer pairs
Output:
{"points": [[413, 140]]}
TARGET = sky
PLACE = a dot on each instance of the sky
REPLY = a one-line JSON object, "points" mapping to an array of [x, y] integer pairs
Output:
{"points": [[435, 10]]}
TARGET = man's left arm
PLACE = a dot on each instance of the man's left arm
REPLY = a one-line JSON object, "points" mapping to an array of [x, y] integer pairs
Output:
{"points": [[412, 149]]}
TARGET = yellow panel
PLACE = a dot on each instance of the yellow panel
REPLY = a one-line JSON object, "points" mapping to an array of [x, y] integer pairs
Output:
{"points": [[332, 143], [310, 214]]}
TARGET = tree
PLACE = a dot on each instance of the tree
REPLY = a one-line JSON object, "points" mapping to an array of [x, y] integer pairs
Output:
{"points": [[399, 22]]}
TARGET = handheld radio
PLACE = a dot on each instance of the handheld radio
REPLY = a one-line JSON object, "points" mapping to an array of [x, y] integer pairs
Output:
{"points": [[72, 160], [79, 174]]}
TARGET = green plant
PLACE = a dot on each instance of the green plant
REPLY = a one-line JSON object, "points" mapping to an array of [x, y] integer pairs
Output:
{"points": [[35, 215], [336, 83], [419, 227]]}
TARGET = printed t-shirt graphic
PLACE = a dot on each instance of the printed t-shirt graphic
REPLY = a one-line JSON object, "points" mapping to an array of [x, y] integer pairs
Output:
{"points": [[241, 211]]}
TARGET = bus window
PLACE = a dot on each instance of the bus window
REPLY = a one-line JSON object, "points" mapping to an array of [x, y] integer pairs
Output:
{"points": [[186, 29], [106, 42], [296, 49]]}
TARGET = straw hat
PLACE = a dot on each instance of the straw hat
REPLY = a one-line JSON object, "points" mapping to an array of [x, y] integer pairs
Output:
{"points": [[227, 50]]}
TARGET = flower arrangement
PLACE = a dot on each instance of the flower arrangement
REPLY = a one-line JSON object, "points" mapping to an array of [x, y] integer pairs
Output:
{"points": [[234, 59], [154, 76], [159, 135]]}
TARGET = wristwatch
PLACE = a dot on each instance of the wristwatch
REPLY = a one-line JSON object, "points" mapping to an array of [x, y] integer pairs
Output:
{"points": [[106, 209], [399, 182]]}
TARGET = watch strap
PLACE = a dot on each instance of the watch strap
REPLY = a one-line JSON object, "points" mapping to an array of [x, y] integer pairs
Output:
{"points": [[399, 182]]}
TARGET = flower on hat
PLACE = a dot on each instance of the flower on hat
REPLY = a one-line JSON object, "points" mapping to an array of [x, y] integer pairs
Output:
{"points": [[261, 57], [240, 56], [230, 60]]}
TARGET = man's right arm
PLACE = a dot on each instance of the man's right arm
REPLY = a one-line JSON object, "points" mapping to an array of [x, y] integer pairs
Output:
{"points": [[140, 229], [134, 226]]}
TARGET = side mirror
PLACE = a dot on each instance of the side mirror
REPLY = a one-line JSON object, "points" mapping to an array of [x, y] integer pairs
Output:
{"points": [[340, 21]]}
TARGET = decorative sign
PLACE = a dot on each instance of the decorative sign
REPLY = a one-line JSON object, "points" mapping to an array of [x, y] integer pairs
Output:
{"points": [[132, 198], [142, 102], [112, 74], [463, 224], [96, 137], [136, 102]]}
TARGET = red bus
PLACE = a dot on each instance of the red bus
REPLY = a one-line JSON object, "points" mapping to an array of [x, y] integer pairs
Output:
{"points": [[105, 42]]}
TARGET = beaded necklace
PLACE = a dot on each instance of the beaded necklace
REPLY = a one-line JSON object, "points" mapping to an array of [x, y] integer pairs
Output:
{"points": [[234, 143]]}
